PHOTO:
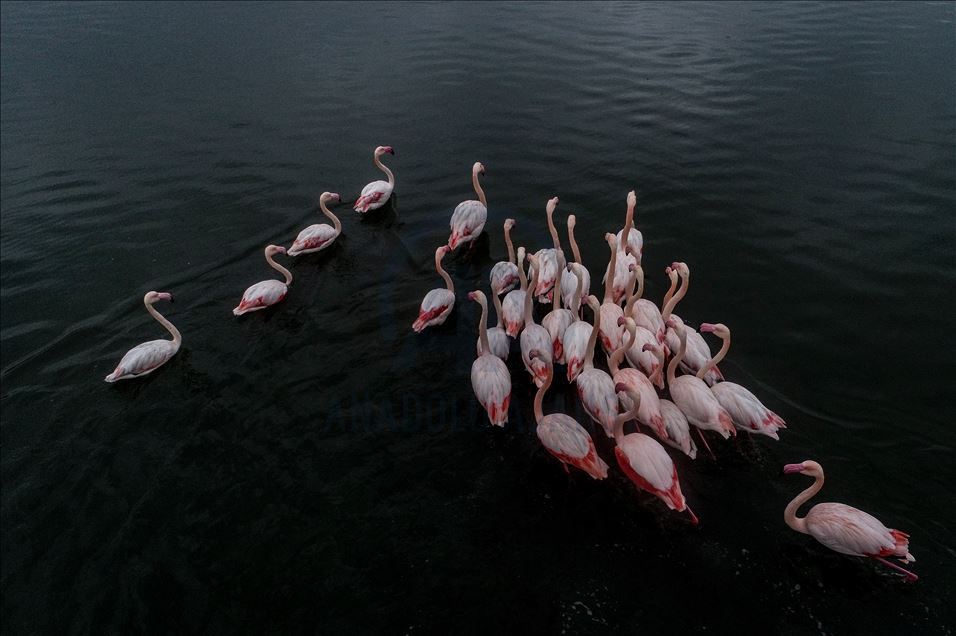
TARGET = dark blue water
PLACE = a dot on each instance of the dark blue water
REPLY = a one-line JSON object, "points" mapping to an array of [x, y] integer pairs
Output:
{"points": [[320, 467]]}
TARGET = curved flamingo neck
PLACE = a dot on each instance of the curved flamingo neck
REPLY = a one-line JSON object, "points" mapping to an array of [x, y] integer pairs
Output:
{"points": [[633, 298], [676, 298], [554, 232], [539, 398], [497, 302], [628, 223], [177, 337], [478, 190], [670, 291], [621, 419], [521, 275], [529, 297], [557, 289], [511, 247], [676, 360], [332, 217], [614, 362], [576, 301], [483, 325], [441, 272], [713, 362], [790, 513], [384, 168], [282, 270], [574, 244], [609, 279], [592, 340]]}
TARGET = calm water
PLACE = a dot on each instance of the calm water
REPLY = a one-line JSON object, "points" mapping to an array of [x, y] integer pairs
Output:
{"points": [[321, 467]]}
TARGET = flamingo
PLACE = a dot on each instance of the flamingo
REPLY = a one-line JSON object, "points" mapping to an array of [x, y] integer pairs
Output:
{"points": [[268, 292], [489, 375], [563, 437], [644, 312], [595, 387], [642, 353], [843, 528], [645, 462], [749, 413], [439, 302], [468, 219], [376, 194], [678, 431], [504, 275], [558, 320], [569, 280], [630, 246], [145, 358], [319, 236], [534, 337], [698, 351], [649, 413], [512, 309], [548, 258], [611, 335], [578, 333], [694, 398], [497, 337]]}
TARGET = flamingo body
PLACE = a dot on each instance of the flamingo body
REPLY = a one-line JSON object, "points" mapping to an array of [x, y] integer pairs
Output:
{"points": [[313, 239], [747, 412], [467, 222], [534, 337], [575, 347], [435, 308], [649, 467], [261, 295], [678, 431], [649, 410], [143, 359], [567, 440], [492, 384]]}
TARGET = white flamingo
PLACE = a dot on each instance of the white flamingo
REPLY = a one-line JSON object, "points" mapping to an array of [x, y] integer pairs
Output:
{"points": [[569, 280], [468, 219], [145, 358], [438, 303], [558, 320], [504, 275], [321, 235], [512, 309], [377, 193], [489, 375], [534, 337], [578, 333], [497, 337], [595, 387], [268, 292]]}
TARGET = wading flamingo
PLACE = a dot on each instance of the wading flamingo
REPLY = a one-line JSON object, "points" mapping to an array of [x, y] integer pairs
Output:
{"points": [[149, 356], [678, 431], [569, 280], [497, 338], [321, 235], [563, 437], [504, 275], [534, 337], [548, 258], [843, 528], [646, 463], [558, 320], [611, 335], [512, 309], [749, 413], [644, 312], [377, 193], [268, 292], [439, 302], [468, 219], [644, 353], [649, 413], [630, 244], [578, 333], [698, 351], [489, 375], [595, 387]]}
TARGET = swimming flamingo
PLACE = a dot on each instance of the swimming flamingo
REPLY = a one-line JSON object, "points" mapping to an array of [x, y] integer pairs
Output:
{"points": [[534, 337], [512, 309], [644, 312], [649, 413], [678, 431], [694, 398], [563, 437], [504, 275], [489, 375], [595, 387], [646, 463], [548, 258], [376, 194], [698, 351], [611, 335], [149, 356], [497, 338], [268, 292], [630, 245], [321, 235], [468, 219], [578, 333], [439, 302], [558, 320], [843, 528], [642, 354], [569, 280], [749, 413]]}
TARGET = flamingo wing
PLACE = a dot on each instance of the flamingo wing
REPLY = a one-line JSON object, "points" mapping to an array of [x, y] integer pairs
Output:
{"points": [[143, 358], [374, 196], [748, 413], [596, 390], [567, 440], [434, 309], [312, 239], [848, 530], [261, 295], [467, 222], [492, 384]]}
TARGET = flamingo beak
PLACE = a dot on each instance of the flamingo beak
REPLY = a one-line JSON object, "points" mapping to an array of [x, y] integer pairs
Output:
{"points": [[647, 347], [620, 387], [472, 296], [706, 327], [620, 321], [790, 469]]}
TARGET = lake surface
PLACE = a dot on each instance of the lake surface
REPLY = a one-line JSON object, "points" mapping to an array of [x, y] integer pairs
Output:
{"points": [[320, 467]]}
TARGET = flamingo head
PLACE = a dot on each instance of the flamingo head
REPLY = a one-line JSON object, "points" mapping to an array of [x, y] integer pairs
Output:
{"points": [[155, 296], [681, 268], [611, 239], [620, 321], [477, 295], [509, 224], [334, 197], [552, 204], [620, 387], [572, 221], [631, 199], [808, 467], [478, 168], [274, 249], [720, 330], [648, 347], [381, 150], [441, 251]]}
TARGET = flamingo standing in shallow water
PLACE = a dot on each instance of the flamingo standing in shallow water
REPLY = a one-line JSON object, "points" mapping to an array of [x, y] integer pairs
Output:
{"points": [[149, 356], [595, 387], [268, 292], [377, 193], [534, 337], [512, 309], [558, 320], [497, 337], [321, 235], [749, 413], [468, 219], [438, 303], [504, 275], [489, 375], [649, 413], [843, 528], [548, 258], [569, 280], [578, 333], [646, 463], [563, 437]]}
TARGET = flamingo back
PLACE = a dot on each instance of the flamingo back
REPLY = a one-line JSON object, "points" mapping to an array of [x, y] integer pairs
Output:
{"points": [[848, 530], [435, 308], [596, 390], [261, 295], [467, 222], [747, 412], [575, 347], [143, 358], [492, 385], [567, 440]]}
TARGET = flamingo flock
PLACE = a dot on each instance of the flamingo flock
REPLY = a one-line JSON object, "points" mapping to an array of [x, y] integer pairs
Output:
{"points": [[662, 381]]}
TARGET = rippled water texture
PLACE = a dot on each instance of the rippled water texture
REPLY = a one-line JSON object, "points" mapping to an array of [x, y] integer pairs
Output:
{"points": [[321, 466]]}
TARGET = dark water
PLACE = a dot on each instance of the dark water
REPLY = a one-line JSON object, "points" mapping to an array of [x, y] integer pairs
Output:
{"points": [[319, 467]]}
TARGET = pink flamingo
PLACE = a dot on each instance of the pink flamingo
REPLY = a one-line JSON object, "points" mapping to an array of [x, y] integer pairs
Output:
{"points": [[678, 431], [147, 357], [698, 351], [468, 219], [646, 463], [843, 528], [578, 333], [595, 387], [558, 320], [611, 335], [645, 313], [319, 236], [694, 398], [534, 337], [504, 275], [438, 303], [489, 375], [548, 258], [630, 244], [268, 292], [649, 413], [642, 353], [497, 337], [563, 437], [376, 194], [512, 309], [749, 413], [569, 280]]}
